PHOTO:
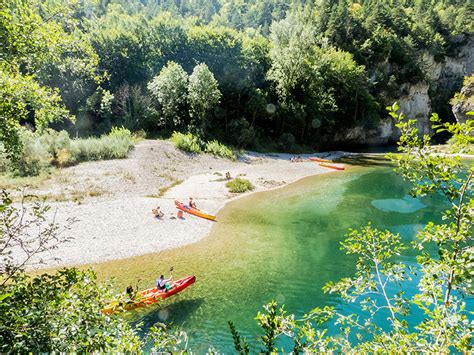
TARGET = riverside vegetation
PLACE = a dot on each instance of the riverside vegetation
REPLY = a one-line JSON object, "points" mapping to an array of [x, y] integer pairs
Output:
{"points": [[260, 74]]}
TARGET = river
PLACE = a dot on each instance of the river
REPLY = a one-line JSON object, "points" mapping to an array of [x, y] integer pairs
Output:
{"points": [[282, 244]]}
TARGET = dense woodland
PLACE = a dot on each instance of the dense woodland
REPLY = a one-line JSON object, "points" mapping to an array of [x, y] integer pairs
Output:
{"points": [[267, 73]]}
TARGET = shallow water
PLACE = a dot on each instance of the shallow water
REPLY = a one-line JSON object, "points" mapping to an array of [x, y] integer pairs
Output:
{"points": [[281, 244]]}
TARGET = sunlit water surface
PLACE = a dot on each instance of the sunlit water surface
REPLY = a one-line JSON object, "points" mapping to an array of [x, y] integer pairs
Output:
{"points": [[281, 244]]}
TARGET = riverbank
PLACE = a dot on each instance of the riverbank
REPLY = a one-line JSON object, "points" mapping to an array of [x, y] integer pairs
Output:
{"points": [[118, 223]]}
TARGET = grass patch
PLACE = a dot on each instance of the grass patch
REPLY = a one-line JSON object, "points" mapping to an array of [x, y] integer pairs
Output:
{"points": [[191, 143], [186, 142], [218, 149], [162, 190], [239, 185], [12, 182]]}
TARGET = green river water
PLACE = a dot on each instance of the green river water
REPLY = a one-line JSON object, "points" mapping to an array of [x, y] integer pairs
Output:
{"points": [[281, 244]]}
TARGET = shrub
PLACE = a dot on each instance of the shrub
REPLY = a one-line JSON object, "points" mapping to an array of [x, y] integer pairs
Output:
{"points": [[54, 148], [105, 147], [220, 150], [121, 133], [186, 142], [34, 156], [239, 185]]}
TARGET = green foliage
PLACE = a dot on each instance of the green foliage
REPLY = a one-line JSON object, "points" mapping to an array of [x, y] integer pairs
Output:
{"points": [[203, 97], [186, 142], [170, 89], [59, 312], [220, 150], [21, 95], [240, 344], [315, 82], [111, 146], [239, 185], [466, 96], [52, 148], [167, 340]]}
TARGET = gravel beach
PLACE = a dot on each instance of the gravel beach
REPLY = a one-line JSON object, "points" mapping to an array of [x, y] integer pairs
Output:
{"points": [[116, 221]]}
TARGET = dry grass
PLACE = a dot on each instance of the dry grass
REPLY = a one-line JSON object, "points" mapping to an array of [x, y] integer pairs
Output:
{"points": [[129, 178], [162, 190], [14, 182]]}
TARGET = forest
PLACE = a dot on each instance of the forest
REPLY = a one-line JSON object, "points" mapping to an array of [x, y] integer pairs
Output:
{"points": [[267, 74]]}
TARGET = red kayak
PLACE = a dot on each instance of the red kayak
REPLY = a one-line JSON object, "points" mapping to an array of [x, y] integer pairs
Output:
{"points": [[336, 167], [149, 296], [194, 211]]}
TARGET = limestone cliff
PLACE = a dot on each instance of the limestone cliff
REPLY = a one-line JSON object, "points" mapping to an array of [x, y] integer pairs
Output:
{"points": [[415, 100], [463, 102]]}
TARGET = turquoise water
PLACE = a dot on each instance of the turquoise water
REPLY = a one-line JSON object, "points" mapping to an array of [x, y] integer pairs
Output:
{"points": [[281, 244]]}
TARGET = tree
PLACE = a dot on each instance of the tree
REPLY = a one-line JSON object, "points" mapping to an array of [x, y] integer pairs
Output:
{"points": [[170, 88], [204, 95], [378, 284], [20, 96]]}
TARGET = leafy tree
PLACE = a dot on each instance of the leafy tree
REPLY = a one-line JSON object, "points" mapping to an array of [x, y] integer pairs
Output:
{"points": [[60, 312], [204, 95], [170, 89], [20, 96]]}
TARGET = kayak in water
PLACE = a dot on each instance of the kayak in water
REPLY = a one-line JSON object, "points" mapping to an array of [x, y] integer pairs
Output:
{"points": [[149, 296], [194, 211]]}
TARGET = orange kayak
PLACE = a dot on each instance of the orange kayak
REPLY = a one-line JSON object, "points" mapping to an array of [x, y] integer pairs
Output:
{"points": [[320, 160], [149, 296], [337, 167], [194, 211]]}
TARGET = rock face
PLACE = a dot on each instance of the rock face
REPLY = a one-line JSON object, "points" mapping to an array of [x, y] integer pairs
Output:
{"points": [[464, 101], [415, 100], [416, 105]]}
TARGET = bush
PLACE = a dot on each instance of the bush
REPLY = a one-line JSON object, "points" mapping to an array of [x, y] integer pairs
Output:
{"points": [[239, 185], [103, 148], [220, 150], [53, 148], [34, 156], [186, 142]]}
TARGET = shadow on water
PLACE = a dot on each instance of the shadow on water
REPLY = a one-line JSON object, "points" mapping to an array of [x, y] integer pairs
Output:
{"points": [[365, 160], [173, 312]]}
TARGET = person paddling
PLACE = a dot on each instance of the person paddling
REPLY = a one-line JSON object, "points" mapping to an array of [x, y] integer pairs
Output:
{"points": [[162, 283]]}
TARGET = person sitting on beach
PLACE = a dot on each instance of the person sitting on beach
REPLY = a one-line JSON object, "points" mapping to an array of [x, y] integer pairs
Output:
{"points": [[161, 283], [157, 212], [192, 204], [227, 176]]}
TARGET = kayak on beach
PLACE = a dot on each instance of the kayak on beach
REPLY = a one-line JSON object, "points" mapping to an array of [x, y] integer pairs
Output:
{"points": [[336, 167], [194, 211], [319, 160], [149, 296]]}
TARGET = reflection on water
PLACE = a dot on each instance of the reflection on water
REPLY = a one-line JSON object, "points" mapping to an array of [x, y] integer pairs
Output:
{"points": [[407, 204], [282, 244]]}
